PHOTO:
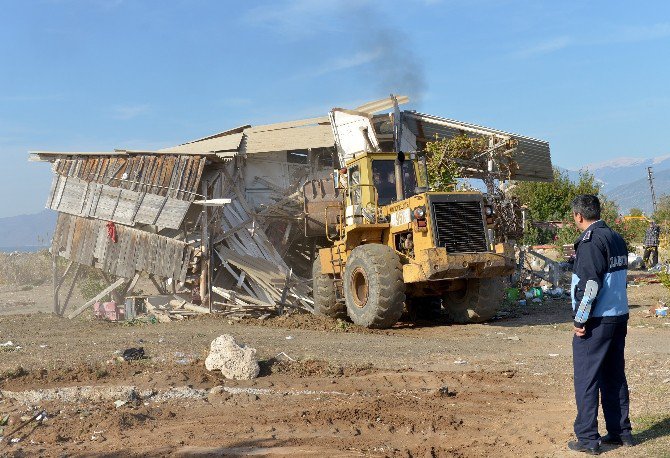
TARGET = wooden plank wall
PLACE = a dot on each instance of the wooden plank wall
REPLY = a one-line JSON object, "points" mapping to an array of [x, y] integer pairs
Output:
{"points": [[91, 199], [86, 242], [173, 176]]}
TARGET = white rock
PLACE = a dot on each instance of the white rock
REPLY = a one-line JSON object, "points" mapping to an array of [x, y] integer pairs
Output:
{"points": [[235, 361]]}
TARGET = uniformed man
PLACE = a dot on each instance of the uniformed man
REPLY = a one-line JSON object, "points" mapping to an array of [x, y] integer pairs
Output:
{"points": [[600, 309]]}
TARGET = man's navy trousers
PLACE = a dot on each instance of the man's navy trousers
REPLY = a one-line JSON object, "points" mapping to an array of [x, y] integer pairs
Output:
{"points": [[598, 360]]}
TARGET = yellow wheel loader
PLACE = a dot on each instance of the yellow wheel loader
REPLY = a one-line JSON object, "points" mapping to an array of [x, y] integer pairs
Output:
{"points": [[393, 249], [395, 246]]}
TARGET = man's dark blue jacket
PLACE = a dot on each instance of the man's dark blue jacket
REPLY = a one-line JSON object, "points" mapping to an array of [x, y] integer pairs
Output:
{"points": [[600, 269]]}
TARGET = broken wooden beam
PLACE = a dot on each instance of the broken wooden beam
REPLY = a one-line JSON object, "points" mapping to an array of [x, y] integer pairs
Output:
{"points": [[100, 295]]}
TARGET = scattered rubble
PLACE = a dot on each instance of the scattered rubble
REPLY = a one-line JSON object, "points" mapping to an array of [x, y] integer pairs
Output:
{"points": [[235, 361]]}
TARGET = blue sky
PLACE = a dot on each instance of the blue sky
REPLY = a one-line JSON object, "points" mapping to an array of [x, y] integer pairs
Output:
{"points": [[589, 77]]}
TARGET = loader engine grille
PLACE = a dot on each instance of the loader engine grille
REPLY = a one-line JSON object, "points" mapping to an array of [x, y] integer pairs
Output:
{"points": [[459, 226]]}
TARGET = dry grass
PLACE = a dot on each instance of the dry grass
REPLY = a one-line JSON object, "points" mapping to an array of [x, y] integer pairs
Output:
{"points": [[25, 268]]}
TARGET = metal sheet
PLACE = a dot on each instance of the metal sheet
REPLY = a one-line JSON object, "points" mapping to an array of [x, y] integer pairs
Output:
{"points": [[353, 133], [287, 125], [304, 137], [230, 142]]}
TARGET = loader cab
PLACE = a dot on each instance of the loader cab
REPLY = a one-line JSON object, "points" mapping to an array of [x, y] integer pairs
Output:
{"points": [[371, 178]]}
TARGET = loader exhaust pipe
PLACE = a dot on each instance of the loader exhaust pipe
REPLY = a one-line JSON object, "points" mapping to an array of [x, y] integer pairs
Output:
{"points": [[399, 188]]}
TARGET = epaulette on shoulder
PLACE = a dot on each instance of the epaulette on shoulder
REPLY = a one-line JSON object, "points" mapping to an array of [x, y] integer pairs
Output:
{"points": [[587, 236]]}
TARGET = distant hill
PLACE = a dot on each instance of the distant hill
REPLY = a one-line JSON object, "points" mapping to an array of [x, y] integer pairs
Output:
{"points": [[624, 180], [26, 231], [636, 194]]}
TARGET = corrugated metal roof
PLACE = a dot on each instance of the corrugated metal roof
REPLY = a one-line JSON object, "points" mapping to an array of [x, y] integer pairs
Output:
{"points": [[310, 136], [532, 155], [288, 125], [50, 156], [230, 142], [235, 130]]}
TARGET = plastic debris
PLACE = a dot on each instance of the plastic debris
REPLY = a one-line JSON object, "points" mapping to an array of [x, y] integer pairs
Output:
{"points": [[132, 354], [281, 356]]}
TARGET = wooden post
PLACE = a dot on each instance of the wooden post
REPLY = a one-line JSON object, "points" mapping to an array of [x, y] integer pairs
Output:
{"points": [[159, 288], [55, 282], [132, 284], [61, 312], [204, 259], [102, 294], [116, 297], [67, 271]]}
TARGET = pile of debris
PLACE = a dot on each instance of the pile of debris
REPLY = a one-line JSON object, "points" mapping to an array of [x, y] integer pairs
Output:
{"points": [[221, 222]]}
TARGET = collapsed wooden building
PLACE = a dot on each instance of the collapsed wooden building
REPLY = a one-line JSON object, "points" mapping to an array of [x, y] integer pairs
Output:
{"points": [[221, 221]]}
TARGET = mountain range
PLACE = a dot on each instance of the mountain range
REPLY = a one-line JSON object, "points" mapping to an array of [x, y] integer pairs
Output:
{"points": [[27, 232], [625, 180]]}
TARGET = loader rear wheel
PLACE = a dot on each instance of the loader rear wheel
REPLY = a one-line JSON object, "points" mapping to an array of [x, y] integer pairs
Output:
{"points": [[374, 290], [477, 302], [325, 301]]}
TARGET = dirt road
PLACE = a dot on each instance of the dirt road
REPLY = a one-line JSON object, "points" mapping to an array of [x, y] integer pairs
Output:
{"points": [[326, 388]]}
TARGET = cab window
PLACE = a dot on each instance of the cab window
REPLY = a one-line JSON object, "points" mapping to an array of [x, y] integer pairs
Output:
{"points": [[383, 176], [354, 183]]}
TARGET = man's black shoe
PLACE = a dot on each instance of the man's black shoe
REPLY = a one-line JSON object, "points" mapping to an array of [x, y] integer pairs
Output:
{"points": [[626, 441], [579, 447]]}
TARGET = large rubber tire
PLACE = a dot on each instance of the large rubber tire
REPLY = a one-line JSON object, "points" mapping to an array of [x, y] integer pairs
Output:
{"points": [[478, 302], [374, 290], [325, 302]]}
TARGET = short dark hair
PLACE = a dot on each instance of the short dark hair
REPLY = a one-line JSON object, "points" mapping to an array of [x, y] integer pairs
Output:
{"points": [[587, 205]]}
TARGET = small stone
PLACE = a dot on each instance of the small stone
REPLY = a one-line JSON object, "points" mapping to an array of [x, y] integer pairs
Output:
{"points": [[118, 403], [218, 389], [444, 391]]}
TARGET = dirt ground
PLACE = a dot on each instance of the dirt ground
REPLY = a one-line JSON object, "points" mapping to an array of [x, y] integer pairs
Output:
{"points": [[326, 388]]}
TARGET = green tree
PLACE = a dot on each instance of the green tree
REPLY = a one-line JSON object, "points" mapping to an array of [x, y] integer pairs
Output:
{"points": [[443, 155], [635, 212], [662, 212], [550, 201]]}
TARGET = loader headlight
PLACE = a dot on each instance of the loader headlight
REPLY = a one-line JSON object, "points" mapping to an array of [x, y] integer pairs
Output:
{"points": [[488, 210], [420, 213]]}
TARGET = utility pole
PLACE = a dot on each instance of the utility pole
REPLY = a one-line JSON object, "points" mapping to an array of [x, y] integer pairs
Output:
{"points": [[651, 186]]}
